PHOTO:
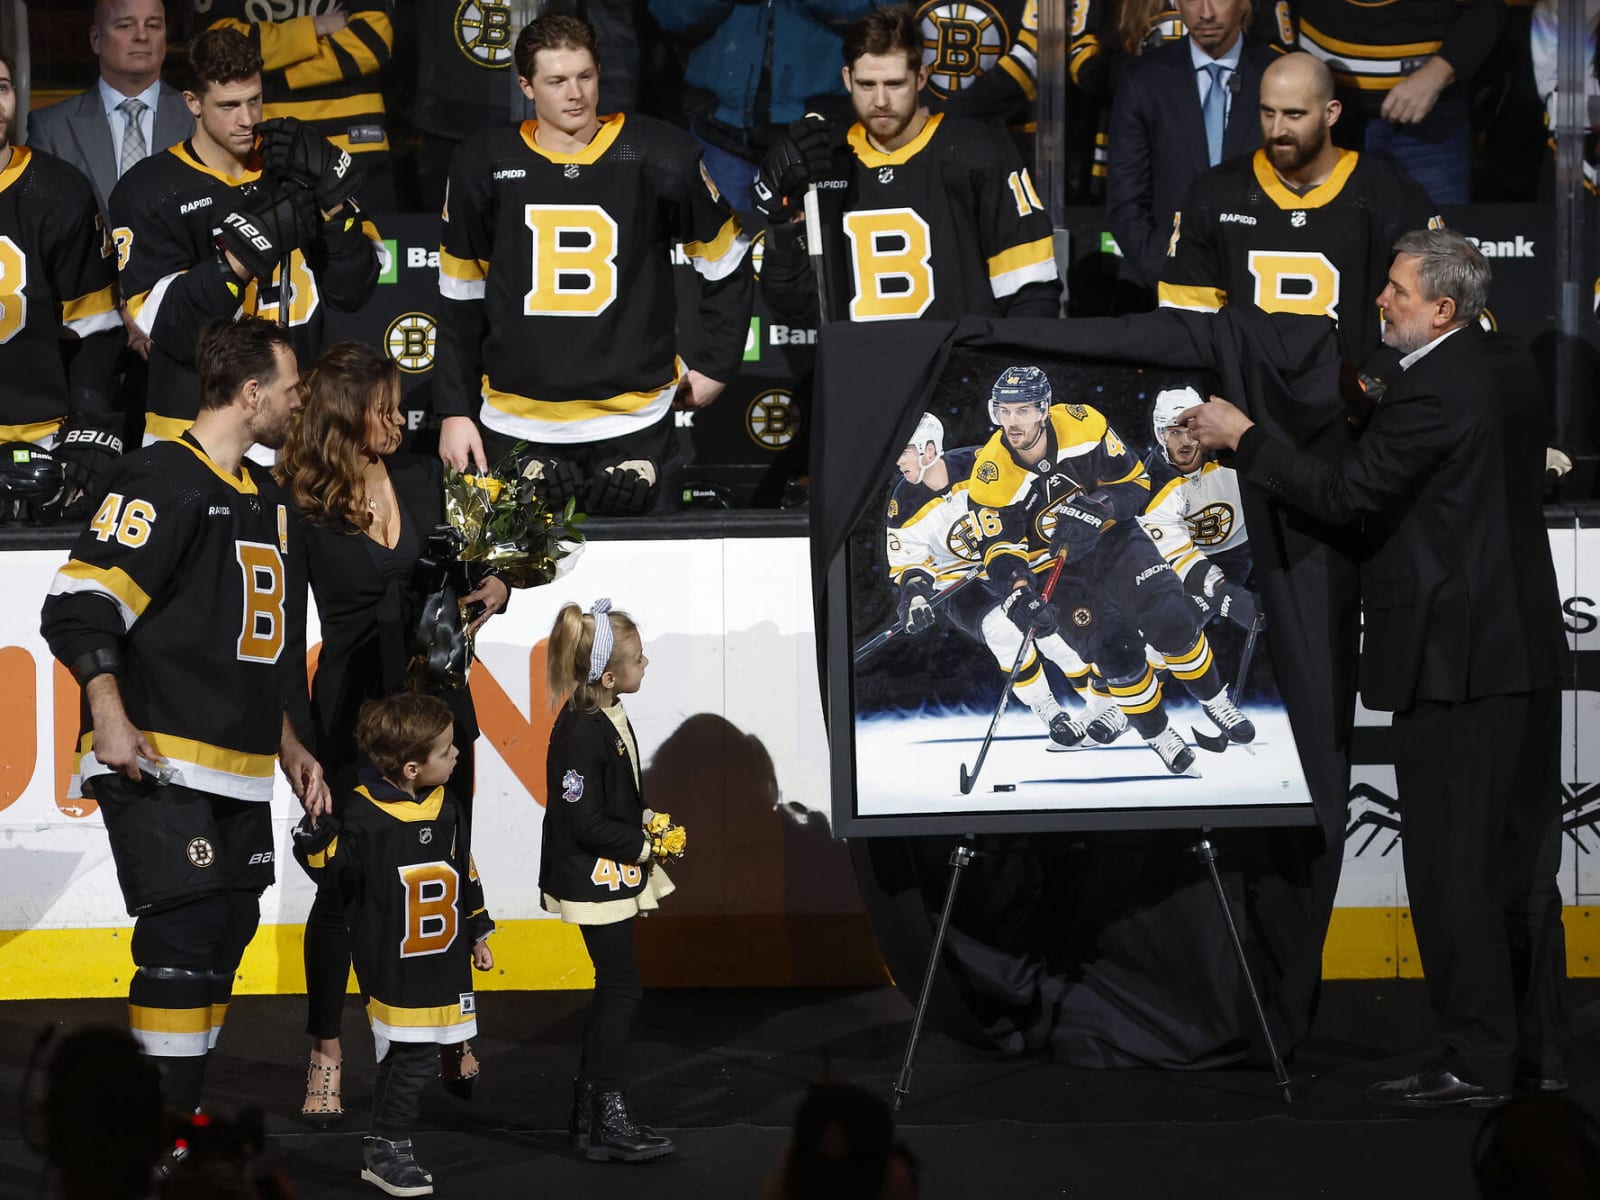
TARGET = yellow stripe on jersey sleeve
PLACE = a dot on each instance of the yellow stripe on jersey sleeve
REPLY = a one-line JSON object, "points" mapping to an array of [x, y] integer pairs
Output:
{"points": [[1171, 486], [1017, 266], [1367, 50], [282, 43], [1024, 81], [365, 105], [720, 257], [1193, 297], [323, 857], [165, 429], [35, 431], [111, 582], [467, 270], [86, 308]]}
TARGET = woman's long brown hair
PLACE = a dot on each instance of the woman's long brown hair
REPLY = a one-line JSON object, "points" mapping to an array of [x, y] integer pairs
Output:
{"points": [[320, 463]]}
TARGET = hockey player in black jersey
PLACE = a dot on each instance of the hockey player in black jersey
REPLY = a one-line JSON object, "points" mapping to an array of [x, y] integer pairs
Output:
{"points": [[1300, 226], [417, 917], [557, 317], [1057, 479], [203, 230], [58, 313], [936, 216], [172, 614]]}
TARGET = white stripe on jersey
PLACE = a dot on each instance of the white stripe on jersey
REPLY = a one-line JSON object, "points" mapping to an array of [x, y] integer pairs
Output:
{"points": [[98, 323], [713, 269], [461, 289], [1007, 283], [66, 584]]}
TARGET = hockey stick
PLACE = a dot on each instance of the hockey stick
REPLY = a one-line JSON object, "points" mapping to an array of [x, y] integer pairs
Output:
{"points": [[1214, 743], [819, 266], [896, 628], [968, 779]]}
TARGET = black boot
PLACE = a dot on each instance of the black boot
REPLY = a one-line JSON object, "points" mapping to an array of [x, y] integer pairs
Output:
{"points": [[613, 1133], [578, 1119]]}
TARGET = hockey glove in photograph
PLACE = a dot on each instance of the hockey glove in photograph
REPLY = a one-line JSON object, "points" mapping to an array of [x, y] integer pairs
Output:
{"points": [[915, 613], [293, 152], [1030, 612], [1079, 524], [1225, 598], [804, 154]]}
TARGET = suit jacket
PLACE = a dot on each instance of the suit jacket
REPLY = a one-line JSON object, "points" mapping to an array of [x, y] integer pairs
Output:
{"points": [[1458, 591], [367, 619], [76, 129], [1156, 144]]}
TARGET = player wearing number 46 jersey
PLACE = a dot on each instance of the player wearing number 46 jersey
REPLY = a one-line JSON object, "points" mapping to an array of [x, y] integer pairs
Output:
{"points": [[171, 613], [1300, 226], [939, 218], [558, 323]]}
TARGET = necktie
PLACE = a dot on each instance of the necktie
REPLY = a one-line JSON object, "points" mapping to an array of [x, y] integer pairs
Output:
{"points": [[1214, 110], [133, 147]]}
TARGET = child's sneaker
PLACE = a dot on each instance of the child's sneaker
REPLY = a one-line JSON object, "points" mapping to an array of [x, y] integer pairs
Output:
{"points": [[391, 1166]]}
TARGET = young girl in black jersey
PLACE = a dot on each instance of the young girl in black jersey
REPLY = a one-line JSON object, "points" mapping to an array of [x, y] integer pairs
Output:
{"points": [[595, 870]]}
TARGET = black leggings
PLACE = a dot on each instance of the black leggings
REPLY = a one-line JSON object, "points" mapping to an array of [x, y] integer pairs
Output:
{"points": [[616, 995], [397, 1092]]}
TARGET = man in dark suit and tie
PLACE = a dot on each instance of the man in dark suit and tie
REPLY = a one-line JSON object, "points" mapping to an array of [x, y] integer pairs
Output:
{"points": [[1462, 642], [1178, 110]]}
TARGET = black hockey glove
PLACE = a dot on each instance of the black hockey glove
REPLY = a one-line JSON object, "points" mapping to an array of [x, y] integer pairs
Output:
{"points": [[1219, 596], [273, 227], [623, 488], [554, 480], [85, 451], [915, 613], [1030, 612], [293, 152], [805, 154], [1079, 524]]}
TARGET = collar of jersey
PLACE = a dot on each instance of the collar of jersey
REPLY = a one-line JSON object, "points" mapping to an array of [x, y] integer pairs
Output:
{"points": [[241, 483], [1323, 193], [610, 128], [870, 156], [185, 152], [19, 163], [396, 803]]}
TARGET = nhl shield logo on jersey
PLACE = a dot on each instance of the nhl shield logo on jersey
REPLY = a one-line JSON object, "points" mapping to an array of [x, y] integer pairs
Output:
{"points": [[1298, 218], [572, 787], [410, 341], [885, 174], [425, 834], [469, 1002], [200, 853], [570, 171]]}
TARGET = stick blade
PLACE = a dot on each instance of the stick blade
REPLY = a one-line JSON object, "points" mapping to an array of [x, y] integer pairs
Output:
{"points": [[967, 780]]}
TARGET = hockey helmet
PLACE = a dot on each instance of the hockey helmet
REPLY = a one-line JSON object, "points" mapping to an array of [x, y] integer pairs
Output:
{"points": [[1169, 405], [929, 429], [30, 479], [1019, 385]]}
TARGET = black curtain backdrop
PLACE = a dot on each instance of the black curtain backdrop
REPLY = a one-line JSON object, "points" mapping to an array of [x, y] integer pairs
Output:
{"points": [[1108, 949]]}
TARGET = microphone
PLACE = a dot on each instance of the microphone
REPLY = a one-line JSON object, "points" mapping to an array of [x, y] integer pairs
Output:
{"points": [[1234, 84]]}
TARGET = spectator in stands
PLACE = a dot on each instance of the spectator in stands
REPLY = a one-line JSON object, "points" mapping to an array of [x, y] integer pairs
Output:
{"points": [[129, 114], [753, 69], [1402, 71], [326, 70], [1544, 48], [1178, 110]]}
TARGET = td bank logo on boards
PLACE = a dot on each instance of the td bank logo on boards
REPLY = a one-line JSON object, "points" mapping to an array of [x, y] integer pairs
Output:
{"points": [[960, 41], [773, 419], [410, 341], [388, 261], [1517, 247], [484, 32]]}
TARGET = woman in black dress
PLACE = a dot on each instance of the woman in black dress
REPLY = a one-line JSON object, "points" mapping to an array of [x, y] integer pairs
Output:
{"points": [[365, 515]]}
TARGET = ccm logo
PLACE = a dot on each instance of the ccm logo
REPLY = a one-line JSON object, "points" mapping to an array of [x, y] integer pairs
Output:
{"points": [[264, 857], [257, 239]]}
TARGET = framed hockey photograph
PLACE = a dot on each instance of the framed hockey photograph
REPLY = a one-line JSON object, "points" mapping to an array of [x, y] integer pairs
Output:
{"points": [[1047, 617]]}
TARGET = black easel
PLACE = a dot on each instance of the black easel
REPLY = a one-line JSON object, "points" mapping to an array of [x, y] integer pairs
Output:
{"points": [[962, 855]]}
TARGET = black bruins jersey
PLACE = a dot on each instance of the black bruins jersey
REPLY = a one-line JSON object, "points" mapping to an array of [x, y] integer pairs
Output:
{"points": [[57, 277], [465, 66], [1016, 503], [555, 270], [1242, 236], [1371, 47], [415, 907], [334, 83], [164, 214], [183, 569]]}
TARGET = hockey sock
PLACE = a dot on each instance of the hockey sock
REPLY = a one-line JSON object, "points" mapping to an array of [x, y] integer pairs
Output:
{"points": [[1196, 669], [1140, 698], [169, 1013], [1033, 689], [221, 993]]}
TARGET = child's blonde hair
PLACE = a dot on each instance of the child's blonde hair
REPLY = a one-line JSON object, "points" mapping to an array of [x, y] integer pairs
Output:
{"points": [[567, 661]]}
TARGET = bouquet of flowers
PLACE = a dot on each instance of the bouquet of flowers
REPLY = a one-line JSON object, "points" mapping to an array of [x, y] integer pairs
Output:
{"points": [[495, 524]]}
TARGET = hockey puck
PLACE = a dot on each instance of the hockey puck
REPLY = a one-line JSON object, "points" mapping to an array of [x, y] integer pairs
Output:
{"points": [[1005, 787]]}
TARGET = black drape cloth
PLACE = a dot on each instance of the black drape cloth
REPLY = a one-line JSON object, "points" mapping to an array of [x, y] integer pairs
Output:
{"points": [[1109, 949]]}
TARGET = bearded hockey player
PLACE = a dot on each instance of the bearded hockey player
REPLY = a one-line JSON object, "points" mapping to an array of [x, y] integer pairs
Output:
{"points": [[557, 322], [1056, 479], [934, 549], [1195, 517]]}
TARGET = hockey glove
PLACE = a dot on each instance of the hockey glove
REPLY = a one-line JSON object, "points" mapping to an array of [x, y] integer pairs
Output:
{"points": [[1219, 596], [273, 227], [293, 152], [1030, 612], [916, 614], [85, 452], [554, 480], [1079, 524], [624, 488], [805, 154], [666, 839]]}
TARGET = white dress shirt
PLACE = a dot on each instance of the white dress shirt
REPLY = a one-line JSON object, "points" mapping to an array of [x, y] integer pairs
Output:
{"points": [[1230, 67], [1410, 360]]}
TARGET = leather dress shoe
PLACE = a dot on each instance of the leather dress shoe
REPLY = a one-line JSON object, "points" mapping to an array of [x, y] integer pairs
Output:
{"points": [[1433, 1087]]}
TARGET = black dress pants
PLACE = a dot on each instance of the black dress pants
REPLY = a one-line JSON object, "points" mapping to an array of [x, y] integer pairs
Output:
{"points": [[1480, 799], [617, 993]]}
